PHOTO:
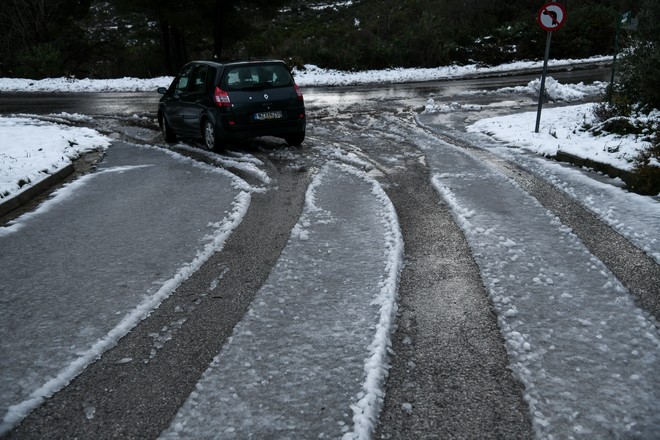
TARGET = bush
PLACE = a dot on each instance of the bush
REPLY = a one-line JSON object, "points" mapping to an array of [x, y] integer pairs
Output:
{"points": [[589, 30], [639, 68], [639, 75], [40, 61], [625, 119], [647, 170]]}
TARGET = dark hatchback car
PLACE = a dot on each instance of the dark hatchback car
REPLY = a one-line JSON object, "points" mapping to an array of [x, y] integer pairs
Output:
{"points": [[219, 102]]}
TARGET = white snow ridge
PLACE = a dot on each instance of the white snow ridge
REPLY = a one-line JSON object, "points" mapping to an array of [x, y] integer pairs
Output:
{"points": [[309, 359]]}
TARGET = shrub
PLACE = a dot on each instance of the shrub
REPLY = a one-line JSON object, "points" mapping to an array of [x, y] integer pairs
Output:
{"points": [[40, 61], [647, 170]]}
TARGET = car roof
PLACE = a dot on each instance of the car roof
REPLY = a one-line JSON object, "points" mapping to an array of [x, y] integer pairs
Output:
{"points": [[236, 63]]}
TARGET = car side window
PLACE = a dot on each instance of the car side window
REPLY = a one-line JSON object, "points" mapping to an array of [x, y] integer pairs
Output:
{"points": [[278, 76], [181, 84], [198, 81]]}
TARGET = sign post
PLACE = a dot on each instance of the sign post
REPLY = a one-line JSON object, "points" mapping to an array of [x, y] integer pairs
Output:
{"points": [[624, 21], [550, 17]]}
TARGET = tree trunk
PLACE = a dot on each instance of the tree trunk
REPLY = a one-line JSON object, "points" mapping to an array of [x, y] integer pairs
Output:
{"points": [[174, 47], [165, 36], [180, 55], [217, 30]]}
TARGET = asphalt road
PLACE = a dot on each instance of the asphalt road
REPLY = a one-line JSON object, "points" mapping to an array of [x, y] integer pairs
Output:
{"points": [[449, 359]]}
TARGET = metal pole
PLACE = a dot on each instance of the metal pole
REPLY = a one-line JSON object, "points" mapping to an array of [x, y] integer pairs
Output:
{"points": [[610, 89], [545, 71]]}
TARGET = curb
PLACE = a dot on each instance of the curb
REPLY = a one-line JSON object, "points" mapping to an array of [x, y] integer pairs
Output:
{"points": [[613, 172], [35, 190]]}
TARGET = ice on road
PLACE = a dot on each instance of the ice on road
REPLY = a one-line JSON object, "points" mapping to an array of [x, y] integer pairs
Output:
{"points": [[309, 356], [587, 355], [97, 257]]}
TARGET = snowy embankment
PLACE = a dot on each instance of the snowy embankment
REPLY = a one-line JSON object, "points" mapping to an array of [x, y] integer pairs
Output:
{"points": [[33, 149], [309, 76], [564, 130]]}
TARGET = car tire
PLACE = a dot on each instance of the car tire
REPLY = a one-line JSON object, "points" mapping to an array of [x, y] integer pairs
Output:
{"points": [[168, 134], [295, 139], [211, 139]]}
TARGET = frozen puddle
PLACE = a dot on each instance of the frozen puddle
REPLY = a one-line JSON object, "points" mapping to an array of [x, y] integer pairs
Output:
{"points": [[587, 355], [308, 359]]}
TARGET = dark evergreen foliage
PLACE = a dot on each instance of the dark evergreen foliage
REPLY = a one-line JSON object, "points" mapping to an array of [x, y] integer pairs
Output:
{"points": [[106, 38]]}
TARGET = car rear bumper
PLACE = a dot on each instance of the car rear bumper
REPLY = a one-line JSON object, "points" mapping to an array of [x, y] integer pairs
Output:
{"points": [[228, 127]]}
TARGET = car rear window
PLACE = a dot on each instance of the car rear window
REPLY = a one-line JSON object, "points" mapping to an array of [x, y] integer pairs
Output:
{"points": [[256, 77]]}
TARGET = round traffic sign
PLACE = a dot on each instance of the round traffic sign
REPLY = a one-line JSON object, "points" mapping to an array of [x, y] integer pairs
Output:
{"points": [[551, 16]]}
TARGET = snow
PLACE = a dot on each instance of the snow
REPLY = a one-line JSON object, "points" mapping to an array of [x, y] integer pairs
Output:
{"points": [[66, 84], [32, 149], [634, 216], [309, 76], [554, 90], [563, 130], [332, 312], [573, 334], [315, 76], [33, 312], [331, 298]]}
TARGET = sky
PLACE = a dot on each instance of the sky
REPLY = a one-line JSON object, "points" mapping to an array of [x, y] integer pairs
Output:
{"points": [[544, 300]]}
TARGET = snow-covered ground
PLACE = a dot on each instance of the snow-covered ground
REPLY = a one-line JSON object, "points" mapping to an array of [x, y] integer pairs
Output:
{"points": [[309, 76], [33, 148], [122, 271], [320, 319], [573, 355], [563, 130], [574, 336]]}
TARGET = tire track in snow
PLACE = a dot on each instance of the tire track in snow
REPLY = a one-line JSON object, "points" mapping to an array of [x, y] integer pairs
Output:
{"points": [[585, 352], [449, 375], [135, 388], [310, 355], [638, 271]]}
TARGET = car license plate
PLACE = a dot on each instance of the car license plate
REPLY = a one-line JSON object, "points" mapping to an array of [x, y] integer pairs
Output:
{"points": [[268, 116]]}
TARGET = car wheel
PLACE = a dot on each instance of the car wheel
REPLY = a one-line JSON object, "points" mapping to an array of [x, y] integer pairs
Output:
{"points": [[295, 139], [168, 134], [211, 139]]}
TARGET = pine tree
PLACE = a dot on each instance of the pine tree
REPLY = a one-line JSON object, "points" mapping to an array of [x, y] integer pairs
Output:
{"points": [[640, 68]]}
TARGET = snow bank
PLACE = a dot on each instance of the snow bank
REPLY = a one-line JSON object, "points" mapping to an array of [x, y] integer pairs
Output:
{"points": [[33, 149], [311, 75], [563, 130], [83, 85]]}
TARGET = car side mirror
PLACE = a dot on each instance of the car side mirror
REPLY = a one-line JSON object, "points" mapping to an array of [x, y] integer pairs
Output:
{"points": [[162, 90]]}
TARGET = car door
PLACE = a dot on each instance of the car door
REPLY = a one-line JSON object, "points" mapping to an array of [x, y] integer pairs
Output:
{"points": [[173, 106], [193, 100]]}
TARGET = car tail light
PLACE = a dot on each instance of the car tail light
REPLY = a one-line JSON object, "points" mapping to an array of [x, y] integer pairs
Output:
{"points": [[221, 98], [298, 92]]}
